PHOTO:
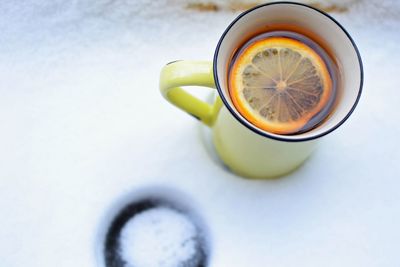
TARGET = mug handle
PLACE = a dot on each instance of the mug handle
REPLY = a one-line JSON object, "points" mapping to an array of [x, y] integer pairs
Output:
{"points": [[188, 73]]}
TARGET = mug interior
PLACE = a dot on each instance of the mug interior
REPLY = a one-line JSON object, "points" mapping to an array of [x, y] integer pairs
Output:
{"points": [[329, 32]]}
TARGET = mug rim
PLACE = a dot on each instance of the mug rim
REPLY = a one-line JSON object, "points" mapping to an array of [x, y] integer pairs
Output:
{"points": [[264, 133]]}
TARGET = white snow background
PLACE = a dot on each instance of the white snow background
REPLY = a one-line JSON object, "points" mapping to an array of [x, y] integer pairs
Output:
{"points": [[82, 123]]}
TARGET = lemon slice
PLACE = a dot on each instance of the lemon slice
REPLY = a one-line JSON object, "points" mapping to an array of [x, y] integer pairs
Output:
{"points": [[278, 84]]}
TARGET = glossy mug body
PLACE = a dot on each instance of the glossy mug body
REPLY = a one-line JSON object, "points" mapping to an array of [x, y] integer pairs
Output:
{"points": [[252, 155], [247, 150]]}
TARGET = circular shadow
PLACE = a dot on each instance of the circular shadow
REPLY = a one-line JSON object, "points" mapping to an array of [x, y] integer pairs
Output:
{"points": [[157, 221]]}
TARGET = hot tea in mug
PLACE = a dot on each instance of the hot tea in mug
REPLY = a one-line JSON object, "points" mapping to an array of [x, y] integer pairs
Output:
{"points": [[283, 81], [286, 75]]}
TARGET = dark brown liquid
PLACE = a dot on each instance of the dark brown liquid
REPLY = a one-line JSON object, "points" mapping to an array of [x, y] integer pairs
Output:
{"points": [[324, 54]]}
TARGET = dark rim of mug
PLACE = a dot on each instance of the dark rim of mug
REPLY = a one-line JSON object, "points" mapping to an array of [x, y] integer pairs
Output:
{"points": [[282, 137]]}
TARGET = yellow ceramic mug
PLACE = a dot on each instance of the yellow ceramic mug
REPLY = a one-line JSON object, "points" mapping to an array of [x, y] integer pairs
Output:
{"points": [[244, 148]]}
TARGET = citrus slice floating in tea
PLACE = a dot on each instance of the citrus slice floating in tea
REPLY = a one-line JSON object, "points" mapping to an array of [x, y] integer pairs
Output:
{"points": [[278, 84]]}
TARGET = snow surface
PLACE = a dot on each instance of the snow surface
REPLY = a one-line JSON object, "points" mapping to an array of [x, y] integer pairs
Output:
{"points": [[82, 122], [159, 237]]}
